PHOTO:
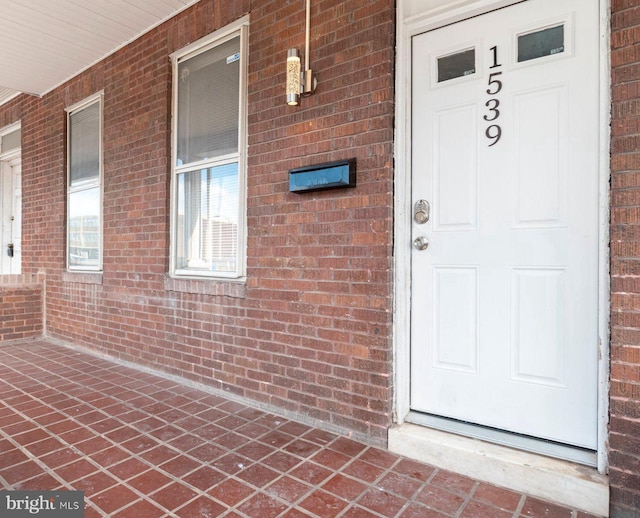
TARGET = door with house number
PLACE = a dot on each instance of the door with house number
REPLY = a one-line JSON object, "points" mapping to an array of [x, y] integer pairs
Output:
{"points": [[505, 189]]}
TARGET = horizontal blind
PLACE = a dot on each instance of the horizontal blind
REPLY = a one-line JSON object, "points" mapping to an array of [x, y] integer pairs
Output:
{"points": [[208, 103], [84, 146]]}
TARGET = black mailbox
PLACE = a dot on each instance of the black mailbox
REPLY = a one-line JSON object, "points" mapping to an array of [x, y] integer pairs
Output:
{"points": [[330, 175]]}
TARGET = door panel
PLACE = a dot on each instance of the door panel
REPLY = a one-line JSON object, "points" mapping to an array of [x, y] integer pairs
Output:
{"points": [[455, 323], [537, 316], [456, 175], [541, 171], [505, 151]]}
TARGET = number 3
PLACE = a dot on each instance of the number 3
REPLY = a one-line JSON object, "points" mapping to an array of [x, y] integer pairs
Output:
{"points": [[493, 109]]}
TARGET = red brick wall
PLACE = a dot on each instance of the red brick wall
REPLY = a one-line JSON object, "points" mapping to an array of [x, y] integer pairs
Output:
{"points": [[20, 307], [310, 332], [625, 260]]}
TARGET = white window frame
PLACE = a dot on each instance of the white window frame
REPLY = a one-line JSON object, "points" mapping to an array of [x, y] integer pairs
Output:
{"points": [[96, 98], [17, 126], [238, 28]]}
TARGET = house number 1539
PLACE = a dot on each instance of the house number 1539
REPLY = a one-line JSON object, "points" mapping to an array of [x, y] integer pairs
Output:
{"points": [[494, 131]]}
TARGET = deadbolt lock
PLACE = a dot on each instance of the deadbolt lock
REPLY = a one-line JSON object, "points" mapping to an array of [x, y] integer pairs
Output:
{"points": [[421, 211]]}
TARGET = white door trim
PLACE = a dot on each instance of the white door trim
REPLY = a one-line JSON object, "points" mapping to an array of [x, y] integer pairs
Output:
{"points": [[407, 27]]}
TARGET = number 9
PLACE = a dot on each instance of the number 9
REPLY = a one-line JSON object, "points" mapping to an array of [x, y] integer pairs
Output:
{"points": [[493, 135]]}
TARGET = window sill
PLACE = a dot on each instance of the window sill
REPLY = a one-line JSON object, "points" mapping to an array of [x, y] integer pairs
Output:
{"points": [[82, 277], [216, 287]]}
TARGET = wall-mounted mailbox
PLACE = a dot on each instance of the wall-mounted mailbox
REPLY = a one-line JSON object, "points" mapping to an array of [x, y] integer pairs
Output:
{"points": [[331, 175]]}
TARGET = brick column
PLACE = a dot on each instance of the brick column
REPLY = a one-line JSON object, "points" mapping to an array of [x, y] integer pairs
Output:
{"points": [[625, 260]]}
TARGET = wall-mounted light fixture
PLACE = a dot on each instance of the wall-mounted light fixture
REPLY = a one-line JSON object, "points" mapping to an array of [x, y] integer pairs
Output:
{"points": [[300, 83], [294, 84]]}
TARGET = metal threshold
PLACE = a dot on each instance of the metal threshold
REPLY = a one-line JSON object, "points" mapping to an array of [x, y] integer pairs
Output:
{"points": [[512, 440]]}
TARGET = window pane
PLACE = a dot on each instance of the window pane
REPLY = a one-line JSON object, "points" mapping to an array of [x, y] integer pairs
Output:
{"points": [[207, 237], [541, 43], [84, 146], [208, 102], [456, 65], [10, 141], [84, 228]]}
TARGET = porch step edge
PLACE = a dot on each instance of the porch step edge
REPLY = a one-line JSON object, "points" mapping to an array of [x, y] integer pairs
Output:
{"points": [[558, 481]]}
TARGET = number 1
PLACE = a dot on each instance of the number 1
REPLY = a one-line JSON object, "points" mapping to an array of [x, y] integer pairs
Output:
{"points": [[494, 51]]}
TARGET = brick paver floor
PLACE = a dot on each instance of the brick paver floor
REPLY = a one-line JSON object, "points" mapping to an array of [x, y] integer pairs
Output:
{"points": [[143, 446]]}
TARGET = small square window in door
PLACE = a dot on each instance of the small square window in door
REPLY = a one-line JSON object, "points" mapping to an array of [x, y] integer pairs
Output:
{"points": [[542, 43], [456, 65]]}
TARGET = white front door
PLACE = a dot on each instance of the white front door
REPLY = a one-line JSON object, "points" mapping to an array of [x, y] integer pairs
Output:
{"points": [[505, 129], [10, 217]]}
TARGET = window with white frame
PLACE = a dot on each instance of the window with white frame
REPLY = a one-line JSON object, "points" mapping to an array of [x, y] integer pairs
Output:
{"points": [[208, 187], [10, 139], [84, 185]]}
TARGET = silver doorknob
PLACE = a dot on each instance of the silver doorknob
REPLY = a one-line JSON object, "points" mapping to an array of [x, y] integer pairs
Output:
{"points": [[421, 243]]}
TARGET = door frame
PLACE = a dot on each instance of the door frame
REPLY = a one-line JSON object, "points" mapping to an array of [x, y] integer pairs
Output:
{"points": [[407, 27], [9, 160]]}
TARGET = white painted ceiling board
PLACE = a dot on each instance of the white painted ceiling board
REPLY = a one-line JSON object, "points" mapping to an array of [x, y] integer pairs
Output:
{"points": [[6, 94], [47, 42], [81, 25]]}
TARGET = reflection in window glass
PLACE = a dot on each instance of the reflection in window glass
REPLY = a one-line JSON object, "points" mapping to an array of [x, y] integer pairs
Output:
{"points": [[546, 42], [84, 220], [207, 219], [456, 65]]}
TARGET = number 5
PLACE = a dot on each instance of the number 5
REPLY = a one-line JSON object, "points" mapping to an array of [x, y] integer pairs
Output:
{"points": [[496, 82]]}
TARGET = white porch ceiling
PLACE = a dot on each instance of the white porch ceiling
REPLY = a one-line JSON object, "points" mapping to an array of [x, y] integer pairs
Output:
{"points": [[43, 43]]}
